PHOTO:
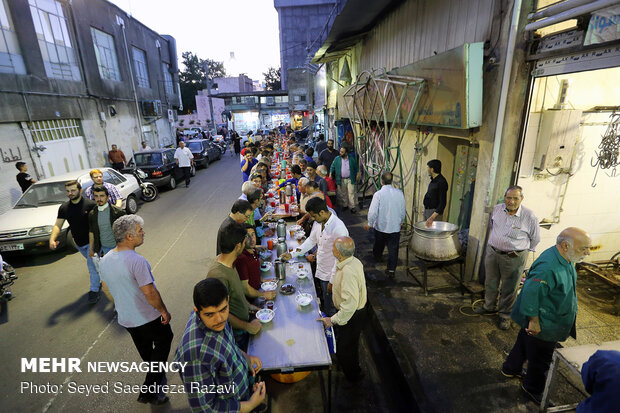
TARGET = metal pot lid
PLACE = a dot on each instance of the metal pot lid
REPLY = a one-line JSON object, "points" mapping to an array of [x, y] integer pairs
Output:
{"points": [[437, 228]]}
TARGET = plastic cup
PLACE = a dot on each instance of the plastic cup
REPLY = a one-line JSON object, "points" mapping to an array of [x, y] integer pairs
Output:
{"points": [[287, 207], [270, 244], [269, 304], [273, 204]]}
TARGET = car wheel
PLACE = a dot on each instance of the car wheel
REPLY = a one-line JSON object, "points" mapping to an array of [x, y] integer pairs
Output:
{"points": [[192, 171], [173, 182], [132, 205]]}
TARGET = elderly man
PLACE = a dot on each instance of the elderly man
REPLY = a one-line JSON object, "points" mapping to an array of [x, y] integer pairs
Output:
{"points": [[386, 214], [514, 233], [232, 244], [214, 359], [303, 195], [240, 212], [138, 304], [326, 228], [331, 184], [546, 309], [349, 295], [117, 159], [347, 174], [114, 197]]}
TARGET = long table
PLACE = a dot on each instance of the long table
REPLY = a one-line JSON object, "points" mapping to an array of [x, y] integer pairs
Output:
{"points": [[294, 340]]}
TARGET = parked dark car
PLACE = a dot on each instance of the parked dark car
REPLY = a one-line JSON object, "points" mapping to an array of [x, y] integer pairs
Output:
{"points": [[160, 166], [204, 152]]}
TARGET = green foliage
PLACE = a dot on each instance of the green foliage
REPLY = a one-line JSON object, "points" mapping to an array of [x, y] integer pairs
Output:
{"points": [[273, 79], [192, 77]]}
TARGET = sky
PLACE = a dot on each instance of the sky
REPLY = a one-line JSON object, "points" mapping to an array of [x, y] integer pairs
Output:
{"points": [[213, 29]]}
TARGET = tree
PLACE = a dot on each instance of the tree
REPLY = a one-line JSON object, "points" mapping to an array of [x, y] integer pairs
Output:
{"points": [[192, 78], [273, 79]]}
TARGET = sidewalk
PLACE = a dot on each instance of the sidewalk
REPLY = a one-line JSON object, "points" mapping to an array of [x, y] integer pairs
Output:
{"points": [[449, 358]]}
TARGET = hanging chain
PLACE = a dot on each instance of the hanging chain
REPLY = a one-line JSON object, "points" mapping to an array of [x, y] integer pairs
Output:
{"points": [[608, 155]]}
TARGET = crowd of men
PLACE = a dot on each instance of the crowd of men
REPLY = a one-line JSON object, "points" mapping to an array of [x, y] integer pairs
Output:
{"points": [[216, 338]]}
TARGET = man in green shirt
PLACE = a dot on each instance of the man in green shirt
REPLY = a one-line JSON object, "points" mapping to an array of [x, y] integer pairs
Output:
{"points": [[546, 310], [232, 244]]}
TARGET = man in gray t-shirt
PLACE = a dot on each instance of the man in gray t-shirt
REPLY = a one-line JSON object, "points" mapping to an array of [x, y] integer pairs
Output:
{"points": [[139, 306]]}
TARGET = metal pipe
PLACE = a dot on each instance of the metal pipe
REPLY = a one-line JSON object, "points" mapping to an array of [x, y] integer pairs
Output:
{"points": [[557, 8], [570, 14], [503, 100], [133, 86]]}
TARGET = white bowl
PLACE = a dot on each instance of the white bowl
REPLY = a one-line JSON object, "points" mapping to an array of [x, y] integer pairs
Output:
{"points": [[266, 266], [302, 299], [295, 228], [269, 286], [265, 315], [302, 273]]}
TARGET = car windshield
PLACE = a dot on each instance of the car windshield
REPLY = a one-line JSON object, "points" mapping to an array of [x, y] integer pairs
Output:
{"points": [[195, 146], [145, 159], [43, 194]]}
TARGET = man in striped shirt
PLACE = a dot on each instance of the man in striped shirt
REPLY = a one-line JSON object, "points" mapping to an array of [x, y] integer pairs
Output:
{"points": [[514, 233]]}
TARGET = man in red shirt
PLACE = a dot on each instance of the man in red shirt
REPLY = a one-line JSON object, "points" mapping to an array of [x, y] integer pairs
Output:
{"points": [[248, 267], [117, 158]]}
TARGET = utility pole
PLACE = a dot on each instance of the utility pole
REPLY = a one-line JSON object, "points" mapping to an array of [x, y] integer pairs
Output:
{"points": [[209, 84]]}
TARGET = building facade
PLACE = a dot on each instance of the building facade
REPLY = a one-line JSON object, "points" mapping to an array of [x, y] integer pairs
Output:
{"points": [[252, 111], [75, 78]]}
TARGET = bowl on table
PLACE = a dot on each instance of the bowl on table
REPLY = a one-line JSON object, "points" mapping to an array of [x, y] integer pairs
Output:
{"points": [[266, 266], [303, 299], [295, 228], [265, 315], [269, 286], [302, 273]]}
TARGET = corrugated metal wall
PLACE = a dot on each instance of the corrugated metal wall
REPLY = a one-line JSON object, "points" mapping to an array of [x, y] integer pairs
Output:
{"points": [[420, 28]]}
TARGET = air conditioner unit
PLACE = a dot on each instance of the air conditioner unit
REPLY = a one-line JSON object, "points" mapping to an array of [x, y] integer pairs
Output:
{"points": [[151, 108]]}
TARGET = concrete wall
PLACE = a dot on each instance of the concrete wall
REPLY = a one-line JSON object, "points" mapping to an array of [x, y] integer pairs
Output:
{"points": [[593, 208], [300, 83], [302, 25]]}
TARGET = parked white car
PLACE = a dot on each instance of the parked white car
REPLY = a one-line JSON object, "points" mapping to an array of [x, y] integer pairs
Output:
{"points": [[26, 228]]}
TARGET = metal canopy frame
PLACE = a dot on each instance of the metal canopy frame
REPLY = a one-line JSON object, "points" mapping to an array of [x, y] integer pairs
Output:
{"points": [[381, 108]]}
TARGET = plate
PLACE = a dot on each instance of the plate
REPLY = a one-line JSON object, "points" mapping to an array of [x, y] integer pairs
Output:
{"points": [[265, 267], [303, 299], [302, 273], [266, 255], [269, 286], [287, 289], [265, 315]]}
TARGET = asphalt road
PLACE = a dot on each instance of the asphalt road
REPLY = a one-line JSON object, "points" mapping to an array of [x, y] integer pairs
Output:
{"points": [[50, 316]]}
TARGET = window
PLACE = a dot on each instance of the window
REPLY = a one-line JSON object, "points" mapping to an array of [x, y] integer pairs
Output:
{"points": [[118, 178], [299, 98], [51, 27], [106, 55], [167, 79], [56, 129], [139, 64], [10, 55], [281, 99]]}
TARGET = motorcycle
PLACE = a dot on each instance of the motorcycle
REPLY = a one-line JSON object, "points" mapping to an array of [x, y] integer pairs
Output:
{"points": [[149, 190], [7, 277]]}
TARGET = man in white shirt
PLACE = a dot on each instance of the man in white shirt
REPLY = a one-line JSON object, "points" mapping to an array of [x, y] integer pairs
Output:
{"points": [[185, 160], [145, 147], [386, 215], [326, 228]]}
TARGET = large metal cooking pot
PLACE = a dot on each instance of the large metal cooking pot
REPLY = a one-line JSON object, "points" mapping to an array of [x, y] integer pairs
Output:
{"points": [[439, 242]]}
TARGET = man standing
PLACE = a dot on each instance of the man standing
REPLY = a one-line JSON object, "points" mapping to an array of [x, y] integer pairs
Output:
{"points": [[100, 220], [321, 145], [144, 147], [139, 306], [117, 159], [326, 228], [114, 197], [214, 359], [232, 245], [546, 310], [435, 198], [185, 160], [349, 295], [247, 163], [313, 176], [386, 214], [240, 212], [76, 212], [347, 174], [514, 232], [23, 177], [327, 156]]}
